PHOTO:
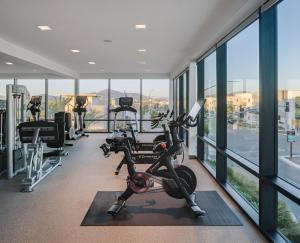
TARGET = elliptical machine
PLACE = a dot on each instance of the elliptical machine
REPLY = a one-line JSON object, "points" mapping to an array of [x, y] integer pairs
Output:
{"points": [[177, 181], [80, 110], [34, 107]]}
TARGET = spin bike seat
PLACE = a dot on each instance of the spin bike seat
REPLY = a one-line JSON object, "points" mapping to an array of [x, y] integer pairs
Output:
{"points": [[118, 140]]}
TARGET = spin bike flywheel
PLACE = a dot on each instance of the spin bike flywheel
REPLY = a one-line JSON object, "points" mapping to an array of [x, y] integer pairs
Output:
{"points": [[140, 182], [187, 178]]}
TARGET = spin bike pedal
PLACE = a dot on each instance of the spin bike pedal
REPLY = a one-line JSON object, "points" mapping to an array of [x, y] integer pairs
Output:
{"points": [[116, 207], [195, 208], [197, 211]]}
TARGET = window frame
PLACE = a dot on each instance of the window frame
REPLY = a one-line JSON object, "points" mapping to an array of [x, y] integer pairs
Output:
{"points": [[270, 184]]}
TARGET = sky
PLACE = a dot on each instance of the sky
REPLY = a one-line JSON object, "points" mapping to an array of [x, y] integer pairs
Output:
{"points": [[288, 44], [243, 53], [243, 60]]}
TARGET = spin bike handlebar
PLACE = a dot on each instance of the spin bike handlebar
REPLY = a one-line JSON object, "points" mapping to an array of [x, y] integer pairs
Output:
{"points": [[184, 121], [157, 119]]}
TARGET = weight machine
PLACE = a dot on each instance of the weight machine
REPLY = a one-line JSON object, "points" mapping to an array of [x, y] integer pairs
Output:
{"points": [[16, 98], [38, 163]]}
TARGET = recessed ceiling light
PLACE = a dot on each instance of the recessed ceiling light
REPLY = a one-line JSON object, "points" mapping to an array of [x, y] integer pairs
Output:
{"points": [[142, 62], [107, 41], [92, 63], [75, 51], [44, 27], [9, 63], [140, 26], [142, 50]]}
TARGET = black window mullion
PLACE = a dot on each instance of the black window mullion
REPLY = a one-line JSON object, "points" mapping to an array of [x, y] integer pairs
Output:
{"points": [[221, 136], [187, 104], [141, 105], [181, 97], [108, 106], [200, 95], [268, 119]]}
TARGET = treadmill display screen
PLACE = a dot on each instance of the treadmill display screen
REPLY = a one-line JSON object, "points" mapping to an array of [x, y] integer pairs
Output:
{"points": [[125, 101]]}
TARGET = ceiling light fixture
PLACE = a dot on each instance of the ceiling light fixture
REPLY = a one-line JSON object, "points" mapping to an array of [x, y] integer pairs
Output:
{"points": [[142, 62], [107, 41], [92, 63], [44, 27], [9, 63], [75, 51], [142, 50], [140, 26]]}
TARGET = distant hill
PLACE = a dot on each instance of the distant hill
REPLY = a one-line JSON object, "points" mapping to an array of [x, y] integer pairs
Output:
{"points": [[116, 94], [103, 94]]}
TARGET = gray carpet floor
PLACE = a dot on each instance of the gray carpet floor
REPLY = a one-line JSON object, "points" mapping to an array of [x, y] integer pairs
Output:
{"points": [[54, 211]]}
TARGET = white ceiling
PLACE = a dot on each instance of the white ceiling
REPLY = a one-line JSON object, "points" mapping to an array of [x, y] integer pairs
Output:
{"points": [[171, 38], [22, 68]]}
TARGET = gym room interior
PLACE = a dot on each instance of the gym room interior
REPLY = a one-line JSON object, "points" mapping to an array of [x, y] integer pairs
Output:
{"points": [[149, 121]]}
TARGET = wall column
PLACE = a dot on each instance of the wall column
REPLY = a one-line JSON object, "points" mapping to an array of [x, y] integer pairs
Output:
{"points": [[76, 90]]}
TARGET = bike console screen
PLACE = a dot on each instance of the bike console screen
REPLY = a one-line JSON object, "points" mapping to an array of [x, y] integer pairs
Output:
{"points": [[196, 109]]}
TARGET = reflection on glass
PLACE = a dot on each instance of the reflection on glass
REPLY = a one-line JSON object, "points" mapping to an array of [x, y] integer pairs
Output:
{"points": [[210, 89], [289, 90], [95, 126], [155, 100], [3, 83], [210, 156], [244, 183], [61, 96], [36, 87], [243, 93], [97, 92], [288, 220]]}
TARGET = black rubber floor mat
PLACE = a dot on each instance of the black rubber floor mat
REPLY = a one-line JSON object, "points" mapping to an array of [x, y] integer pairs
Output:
{"points": [[158, 209]]}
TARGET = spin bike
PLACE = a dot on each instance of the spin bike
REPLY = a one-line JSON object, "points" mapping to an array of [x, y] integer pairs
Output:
{"points": [[178, 182], [162, 120], [125, 107], [140, 156]]}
